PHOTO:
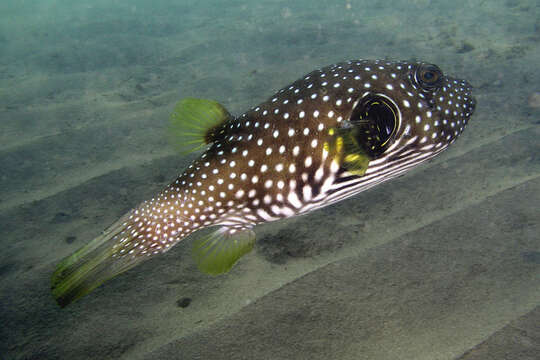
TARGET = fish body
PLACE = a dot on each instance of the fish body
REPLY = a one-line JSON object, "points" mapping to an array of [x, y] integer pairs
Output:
{"points": [[329, 135]]}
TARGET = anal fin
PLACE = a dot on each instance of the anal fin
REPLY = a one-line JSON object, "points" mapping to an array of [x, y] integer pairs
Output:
{"points": [[217, 252]]}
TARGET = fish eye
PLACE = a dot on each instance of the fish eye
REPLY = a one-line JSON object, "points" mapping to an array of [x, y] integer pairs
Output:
{"points": [[375, 119], [429, 76]]}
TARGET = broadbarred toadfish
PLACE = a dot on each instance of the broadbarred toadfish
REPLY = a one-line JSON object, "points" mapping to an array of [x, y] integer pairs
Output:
{"points": [[329, 135]]}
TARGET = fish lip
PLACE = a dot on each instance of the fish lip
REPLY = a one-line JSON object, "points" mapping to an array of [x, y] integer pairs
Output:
{"points": [[472, 105], [469, 91]]}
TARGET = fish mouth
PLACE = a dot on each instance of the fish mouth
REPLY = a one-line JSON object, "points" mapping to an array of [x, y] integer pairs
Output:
{"points": [[465, 92], [472, 102]]}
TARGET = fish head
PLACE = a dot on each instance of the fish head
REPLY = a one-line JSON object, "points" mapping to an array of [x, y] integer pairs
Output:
{"points": [[408, 113]]}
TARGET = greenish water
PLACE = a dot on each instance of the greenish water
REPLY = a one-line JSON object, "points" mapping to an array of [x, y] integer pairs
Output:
{"points": [[439, 264]]}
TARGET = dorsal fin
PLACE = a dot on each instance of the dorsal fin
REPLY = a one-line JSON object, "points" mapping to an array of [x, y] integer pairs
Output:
{"points": [[194, 123]]}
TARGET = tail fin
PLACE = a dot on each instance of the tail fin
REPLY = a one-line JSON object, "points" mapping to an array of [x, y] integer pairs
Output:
{"points": [[93, 264]]}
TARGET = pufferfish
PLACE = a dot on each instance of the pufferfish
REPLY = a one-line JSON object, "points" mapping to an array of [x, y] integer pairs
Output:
{"points": [[331, 134]]}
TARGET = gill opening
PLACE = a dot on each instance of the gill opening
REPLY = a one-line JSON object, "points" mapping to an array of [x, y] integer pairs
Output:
{"points": [[376, 119]]}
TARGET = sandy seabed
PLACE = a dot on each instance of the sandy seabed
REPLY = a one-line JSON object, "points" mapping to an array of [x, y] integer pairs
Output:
{"points": [[443, 263]]}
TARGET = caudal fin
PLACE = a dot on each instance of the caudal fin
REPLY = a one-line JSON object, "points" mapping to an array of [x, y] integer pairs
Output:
{"points": [[93, 264]]}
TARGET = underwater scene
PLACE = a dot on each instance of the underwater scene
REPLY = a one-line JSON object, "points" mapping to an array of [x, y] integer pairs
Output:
{"points": [[227, 179]]}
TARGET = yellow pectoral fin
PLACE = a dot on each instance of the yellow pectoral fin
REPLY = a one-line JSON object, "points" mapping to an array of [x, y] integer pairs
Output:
{"points": [[217, 253], [356, 164], [194, 121], [345, 148]]}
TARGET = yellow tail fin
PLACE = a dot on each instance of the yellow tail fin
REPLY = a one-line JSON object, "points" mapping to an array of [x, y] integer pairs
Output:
{"points": [[90, 266]]}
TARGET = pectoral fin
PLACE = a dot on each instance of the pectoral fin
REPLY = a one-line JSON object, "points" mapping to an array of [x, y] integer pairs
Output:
{"points": [[344, 147]]}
